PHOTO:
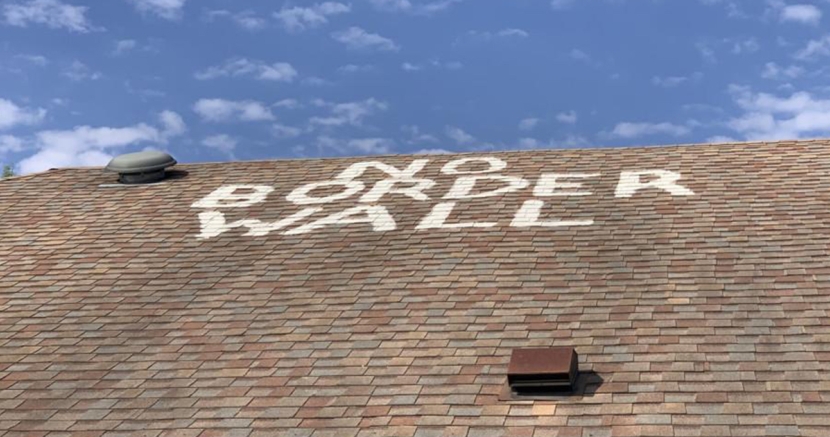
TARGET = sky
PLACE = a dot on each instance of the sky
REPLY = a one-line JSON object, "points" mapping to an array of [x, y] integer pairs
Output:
{"points": [[82, 81]]}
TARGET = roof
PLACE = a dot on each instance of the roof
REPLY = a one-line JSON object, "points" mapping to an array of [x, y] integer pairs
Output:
{"points": [[330, 298]]}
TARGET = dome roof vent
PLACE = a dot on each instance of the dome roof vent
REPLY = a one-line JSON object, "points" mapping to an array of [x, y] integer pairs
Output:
{"points": [[142, 167]]}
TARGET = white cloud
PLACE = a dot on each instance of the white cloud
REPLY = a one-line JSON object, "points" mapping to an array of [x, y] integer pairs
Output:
{"points": [[571, 141], [372, 145], [513, 32], [531, 143], [566, 117], [246, 19], [91, 146], [436, 64], [353, 68], [12, 115], [432, 152], [775, 72], [458, 135], [222, 143], [416, 136], [297, 18], [706, 52], [124, 45], [350, 113], [720, 139], [484, 36], [236, 67], [636, 130], [78, 71], [38, 60], [769, 117], [356, 38], [805, 14], [414, 7], [50, 13], [574, 141], [220, 110], [167, 9], [9, 143], [748, 45], [172, 124], [283, 131], [732, 8], [528, 124], [580, 55], [287, 104], [815, 48]]}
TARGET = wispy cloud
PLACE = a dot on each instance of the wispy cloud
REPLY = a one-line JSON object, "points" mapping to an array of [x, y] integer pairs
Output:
{"points": [[770, 117], [246, 19], [746, 45], [221, 110], [12, 115], [630, 130], [814, 49], [570, 141], [528, 124], [295, 19], [416, 136], [355, 68], [39, 60], [166, 9], [486, 36], [458, 135], [432, 152], [674, 81], [356, 38], [349, 113], [706, 52], [435, 64], [414, 7], [94, 146], [569, 117], [10, 144], [776, 72], [50, 13], [222, 143], [78, 71], [242, 67], [283, 131], [124, 46]]}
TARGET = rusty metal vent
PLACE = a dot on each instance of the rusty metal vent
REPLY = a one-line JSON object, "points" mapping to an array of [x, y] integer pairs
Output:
{"points": [[540, 372]]}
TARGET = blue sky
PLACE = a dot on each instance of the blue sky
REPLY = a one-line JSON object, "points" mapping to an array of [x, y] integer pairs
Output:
{"points": [[213, 80]]}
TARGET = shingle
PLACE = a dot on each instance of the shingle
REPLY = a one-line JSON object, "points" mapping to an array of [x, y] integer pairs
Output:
{"points": [[699, 314]]}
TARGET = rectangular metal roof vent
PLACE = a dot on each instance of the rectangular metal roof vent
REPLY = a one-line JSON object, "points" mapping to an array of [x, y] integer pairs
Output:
{"points": [[542, 372]]}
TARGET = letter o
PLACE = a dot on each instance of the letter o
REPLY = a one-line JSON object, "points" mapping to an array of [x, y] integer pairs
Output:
{"points": [[494, 163]]}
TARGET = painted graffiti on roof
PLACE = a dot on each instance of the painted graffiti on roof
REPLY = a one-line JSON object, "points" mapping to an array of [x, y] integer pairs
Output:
{"points": [[368, 211]]}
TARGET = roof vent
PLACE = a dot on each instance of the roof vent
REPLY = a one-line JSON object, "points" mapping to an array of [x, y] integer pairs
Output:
{"points": [[142, 167], [542, 372]]}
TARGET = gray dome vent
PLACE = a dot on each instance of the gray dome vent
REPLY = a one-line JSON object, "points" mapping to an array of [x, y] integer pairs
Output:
{"points": [[142, 167]]}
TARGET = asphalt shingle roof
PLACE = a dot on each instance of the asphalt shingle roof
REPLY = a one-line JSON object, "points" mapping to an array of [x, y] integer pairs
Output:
{"points": [[128, 310]]}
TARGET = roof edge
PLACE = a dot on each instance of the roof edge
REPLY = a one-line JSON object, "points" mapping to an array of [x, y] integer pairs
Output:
{"points": [[476, 152]]}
